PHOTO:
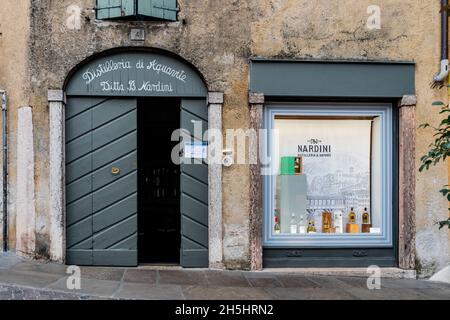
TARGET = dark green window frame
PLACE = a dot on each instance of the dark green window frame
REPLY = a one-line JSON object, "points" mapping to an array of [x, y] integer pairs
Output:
{"points": [[163, 10]]}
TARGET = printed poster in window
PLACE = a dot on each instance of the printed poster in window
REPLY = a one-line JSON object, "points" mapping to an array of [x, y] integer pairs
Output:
{"points": [[336, 159]]}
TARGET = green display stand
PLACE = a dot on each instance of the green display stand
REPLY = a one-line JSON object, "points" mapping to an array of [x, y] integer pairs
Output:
{"points": [[287, 166]]}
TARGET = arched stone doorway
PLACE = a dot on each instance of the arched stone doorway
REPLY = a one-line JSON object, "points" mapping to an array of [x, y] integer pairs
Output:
{"points": [[114, 162]]}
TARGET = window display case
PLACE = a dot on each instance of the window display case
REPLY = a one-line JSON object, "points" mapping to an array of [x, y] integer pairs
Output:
{"points": [[328, 184]]}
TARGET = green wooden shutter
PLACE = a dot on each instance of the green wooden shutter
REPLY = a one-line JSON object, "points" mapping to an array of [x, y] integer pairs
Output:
{"points": [[161, 9], [110, 9]]}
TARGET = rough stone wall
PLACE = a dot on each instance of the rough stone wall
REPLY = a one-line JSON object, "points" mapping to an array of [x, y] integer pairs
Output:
{"points": [[218, 37]]}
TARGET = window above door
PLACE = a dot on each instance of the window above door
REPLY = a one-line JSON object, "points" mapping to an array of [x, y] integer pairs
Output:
{"points": [[137, 10]]}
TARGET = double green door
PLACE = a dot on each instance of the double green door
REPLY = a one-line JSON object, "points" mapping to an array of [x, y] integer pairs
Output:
{"points": [[102, 179]]}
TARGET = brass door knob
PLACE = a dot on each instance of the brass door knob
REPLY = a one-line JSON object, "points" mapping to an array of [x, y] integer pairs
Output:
{"points": [[115, 170]]}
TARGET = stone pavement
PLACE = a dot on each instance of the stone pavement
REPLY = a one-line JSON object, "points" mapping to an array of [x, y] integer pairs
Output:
{"points": [[20, 279]]}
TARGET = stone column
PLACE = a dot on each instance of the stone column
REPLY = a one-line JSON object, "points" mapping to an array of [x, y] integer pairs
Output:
{"points": [[256, 103], [25, 205], [407, 182], [215, 103], [57, 101]]}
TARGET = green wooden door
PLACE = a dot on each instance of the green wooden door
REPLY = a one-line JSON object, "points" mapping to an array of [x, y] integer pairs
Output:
{"points": [[194, 190], [101, 181]]}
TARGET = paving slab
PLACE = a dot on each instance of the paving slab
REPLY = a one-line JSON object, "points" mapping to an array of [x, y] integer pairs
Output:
{"points": [[386, 294], [30, 279], [435, 294], [140, 276], [291, 281], [24, 293], [182, 277], [102, 273], [103, 288], [328, 282], [267, 282], [409, 284], [8, 260], [353, 282], [309, 294], [225, 293], [47, 268], [149, 292], [226, 279]]}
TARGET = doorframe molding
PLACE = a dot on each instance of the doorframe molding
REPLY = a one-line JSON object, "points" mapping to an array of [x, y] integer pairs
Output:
{"points": [[215, 228], [57, 102], [57, 213]]}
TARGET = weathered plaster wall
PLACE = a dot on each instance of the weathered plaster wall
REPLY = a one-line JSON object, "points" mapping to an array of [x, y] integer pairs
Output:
{"points": [[14, 48], [218, 37], [337, 30]]}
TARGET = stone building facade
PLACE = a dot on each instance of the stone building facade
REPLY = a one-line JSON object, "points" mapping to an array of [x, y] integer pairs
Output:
{"points": [[43, 43]]}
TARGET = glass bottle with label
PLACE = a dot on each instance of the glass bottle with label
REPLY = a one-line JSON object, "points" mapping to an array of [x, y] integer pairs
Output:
{"points": [[293, 224], [366, 225], [366, 217], [352, 227], [326, 221], [338, 222], [301, 225], [277, 228], [299, 165], [352, 216], [311, 227]]}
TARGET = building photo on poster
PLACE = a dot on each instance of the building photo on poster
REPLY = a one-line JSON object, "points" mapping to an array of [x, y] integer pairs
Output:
{"points": [[240, 152]]}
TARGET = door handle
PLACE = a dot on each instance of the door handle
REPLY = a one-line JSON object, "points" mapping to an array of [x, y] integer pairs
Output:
{"points": [[115, 170]]}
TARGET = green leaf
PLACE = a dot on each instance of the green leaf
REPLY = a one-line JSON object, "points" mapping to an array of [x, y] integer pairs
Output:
{"points": [[442, 224], [438, 104]]}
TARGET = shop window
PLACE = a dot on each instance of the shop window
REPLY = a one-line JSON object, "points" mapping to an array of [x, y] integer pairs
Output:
{"points": [[328, 178], [137, 9]]}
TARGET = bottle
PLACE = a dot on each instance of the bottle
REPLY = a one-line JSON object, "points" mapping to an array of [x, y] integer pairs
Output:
{"points": [[338, 222], [352, 216], [299, 165], [352, 227], [311, 227], [277, 228], [326, 221], [301, 225], [293, 224], [366, 217], [366, 225]]}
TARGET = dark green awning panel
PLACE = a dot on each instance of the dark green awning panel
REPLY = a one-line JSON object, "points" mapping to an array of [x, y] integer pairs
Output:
{"points": [[136, 74], [330, 79]]}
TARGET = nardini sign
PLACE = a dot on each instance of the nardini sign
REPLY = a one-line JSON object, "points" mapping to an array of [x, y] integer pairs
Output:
{"points": [[136, 74]]}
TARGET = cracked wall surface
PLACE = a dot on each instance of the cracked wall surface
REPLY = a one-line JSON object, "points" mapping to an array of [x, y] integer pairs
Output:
{"points": [[38, 48]]}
